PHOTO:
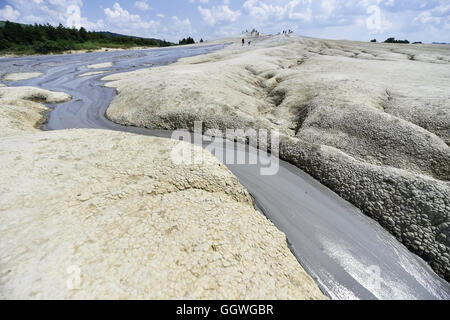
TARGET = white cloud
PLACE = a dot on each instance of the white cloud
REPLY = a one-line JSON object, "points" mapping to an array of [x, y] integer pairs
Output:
{"points": [[74, 16], [8, 13], [427, 20], [300, 10], [120, 20], [263, 11], [117, 15], [67, 12], [218, 14], [176, 29], [291, 10], [438, 17], [180, 24], [142, 5]]}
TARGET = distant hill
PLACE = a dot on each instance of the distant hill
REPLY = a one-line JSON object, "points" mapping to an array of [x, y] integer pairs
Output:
{"points": [[2, 24], [114, 35], [29, 39], [117, 35]]}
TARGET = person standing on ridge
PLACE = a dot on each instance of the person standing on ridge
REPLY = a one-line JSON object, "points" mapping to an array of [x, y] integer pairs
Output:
{"points": [[243, 41]]}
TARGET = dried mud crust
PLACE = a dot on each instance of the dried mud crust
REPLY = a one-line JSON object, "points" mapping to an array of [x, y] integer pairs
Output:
{"points": [[376, 121], [113, 209]]}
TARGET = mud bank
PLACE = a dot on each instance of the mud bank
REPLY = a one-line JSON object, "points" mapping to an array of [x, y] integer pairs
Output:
{"points": [[81, 221], [21, 76], [370, 121]]}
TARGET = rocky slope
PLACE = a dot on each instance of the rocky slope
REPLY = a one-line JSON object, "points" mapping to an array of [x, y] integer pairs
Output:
{"points": [[371, 121], [92, 214]]}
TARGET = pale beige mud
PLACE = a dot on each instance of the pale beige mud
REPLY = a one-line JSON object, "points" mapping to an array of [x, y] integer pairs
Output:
{"points": [[94, 73], [21, 76], [371, 121], [32, 94], [20, 110], [100, 65], [93, 214]]}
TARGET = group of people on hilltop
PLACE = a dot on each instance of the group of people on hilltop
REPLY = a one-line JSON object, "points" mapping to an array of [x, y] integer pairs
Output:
{"points": [[254, 32]]}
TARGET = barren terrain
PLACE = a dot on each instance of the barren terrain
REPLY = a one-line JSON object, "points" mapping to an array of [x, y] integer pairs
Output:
{"points": [[79, 220], [370, 121]]}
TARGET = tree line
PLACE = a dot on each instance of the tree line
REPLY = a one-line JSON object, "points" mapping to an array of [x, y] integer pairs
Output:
{"points": [[45, 39], [188, 40], [393, 40]]}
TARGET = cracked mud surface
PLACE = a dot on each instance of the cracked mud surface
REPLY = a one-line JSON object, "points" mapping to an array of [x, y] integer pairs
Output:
{"points": [[113, 206], [370, 121], [333, 240]]}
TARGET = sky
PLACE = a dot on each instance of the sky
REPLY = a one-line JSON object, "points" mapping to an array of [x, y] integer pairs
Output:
{"points": [[415, 20]]}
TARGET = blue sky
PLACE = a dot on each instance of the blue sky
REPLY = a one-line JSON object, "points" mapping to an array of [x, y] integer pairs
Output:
{"points": [[415, 20]]}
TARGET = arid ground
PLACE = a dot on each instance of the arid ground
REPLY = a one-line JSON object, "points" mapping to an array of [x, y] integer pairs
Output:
{"points": [[371, 121]]}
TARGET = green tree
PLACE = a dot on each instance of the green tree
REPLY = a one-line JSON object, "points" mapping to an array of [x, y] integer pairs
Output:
{"points": [[4, 44], [83, 34], [13, 32], [46, 39], [50, 32], [392, 40], [188, 40]]}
